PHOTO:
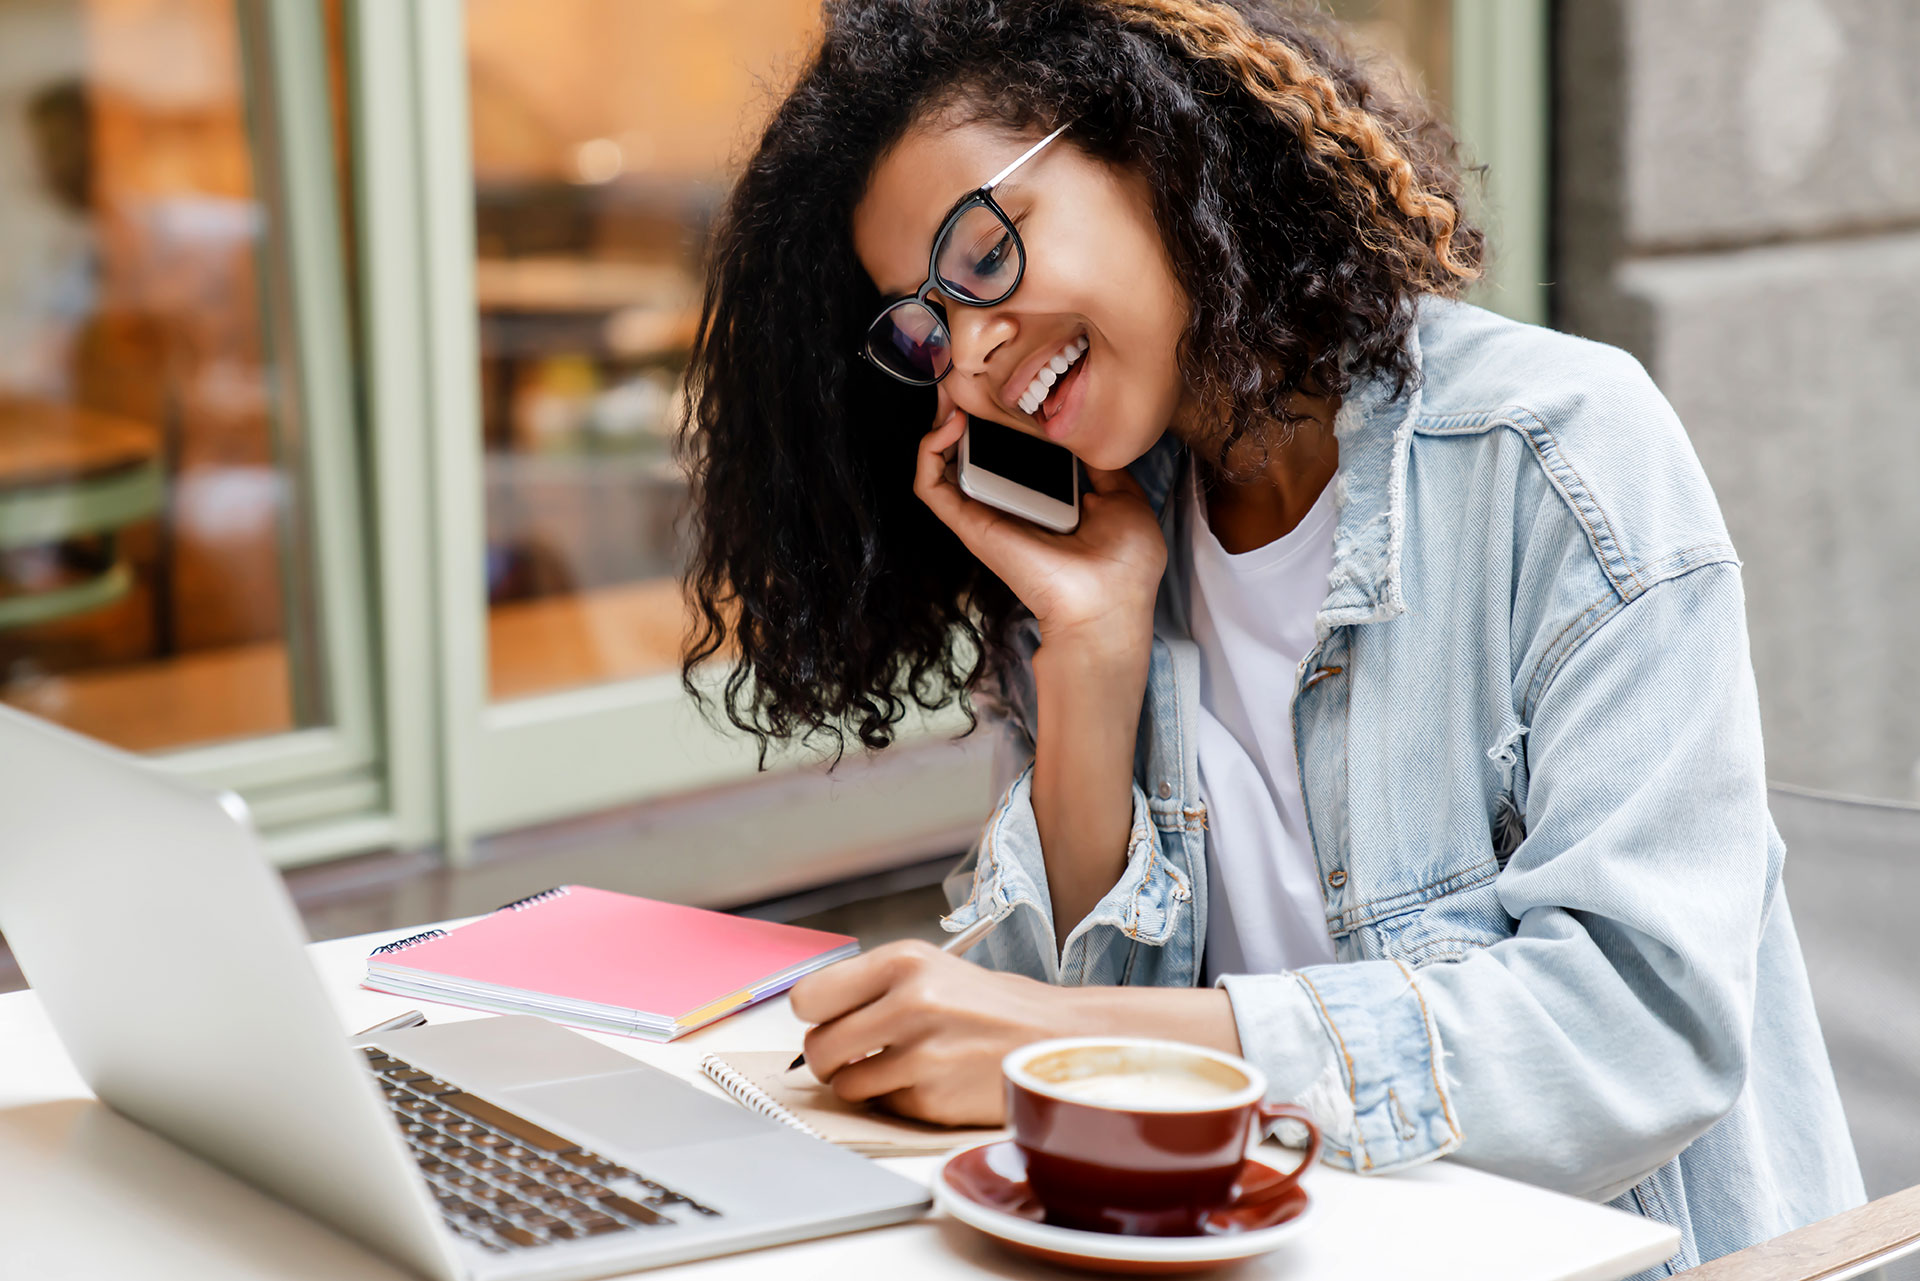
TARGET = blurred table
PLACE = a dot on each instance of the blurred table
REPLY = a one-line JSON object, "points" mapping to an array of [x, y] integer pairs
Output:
{"points": [[68, 473]]}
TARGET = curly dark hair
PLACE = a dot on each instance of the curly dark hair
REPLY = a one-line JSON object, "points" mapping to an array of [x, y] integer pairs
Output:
{"points": [[1304, 203]]}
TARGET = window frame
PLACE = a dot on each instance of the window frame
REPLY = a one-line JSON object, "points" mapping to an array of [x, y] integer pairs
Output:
{"points": [[1502, 114], [317, 791]]}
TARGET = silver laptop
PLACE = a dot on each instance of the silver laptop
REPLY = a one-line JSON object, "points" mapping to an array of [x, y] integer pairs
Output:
{"points": [[168, 957]]}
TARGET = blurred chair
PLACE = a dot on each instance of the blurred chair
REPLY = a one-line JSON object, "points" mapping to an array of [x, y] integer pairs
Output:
{"points": [[68, 473], [1853, 880]]}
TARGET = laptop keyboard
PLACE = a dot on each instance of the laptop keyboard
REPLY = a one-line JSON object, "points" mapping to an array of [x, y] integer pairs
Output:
{"points": [[508, 1184]]}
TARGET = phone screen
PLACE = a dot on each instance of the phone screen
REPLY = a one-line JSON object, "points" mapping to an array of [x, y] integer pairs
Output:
{"points": [[1038, 464]]}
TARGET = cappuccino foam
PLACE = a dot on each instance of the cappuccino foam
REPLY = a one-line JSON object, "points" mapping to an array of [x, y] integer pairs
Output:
{"points": [[1153, 1087]]}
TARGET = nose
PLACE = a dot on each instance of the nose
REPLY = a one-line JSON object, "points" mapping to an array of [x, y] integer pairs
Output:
{"points": [[976, 333]]}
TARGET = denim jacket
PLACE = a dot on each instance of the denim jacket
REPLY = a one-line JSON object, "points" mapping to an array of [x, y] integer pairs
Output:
{"points": [[1529, 745]]}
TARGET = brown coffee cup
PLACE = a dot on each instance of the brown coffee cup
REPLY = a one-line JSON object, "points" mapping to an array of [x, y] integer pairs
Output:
{"points": [[1137, 1136]]}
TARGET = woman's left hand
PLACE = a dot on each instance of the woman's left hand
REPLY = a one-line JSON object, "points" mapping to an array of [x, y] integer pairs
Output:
{"points": [[923, 1032]]}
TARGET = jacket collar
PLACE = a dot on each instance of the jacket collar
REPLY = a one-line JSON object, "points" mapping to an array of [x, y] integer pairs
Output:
{"points": [[1375, 431]]}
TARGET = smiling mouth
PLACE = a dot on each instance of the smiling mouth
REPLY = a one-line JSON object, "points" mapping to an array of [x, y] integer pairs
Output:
{"points": [[1056, 370], [1057, 394]]}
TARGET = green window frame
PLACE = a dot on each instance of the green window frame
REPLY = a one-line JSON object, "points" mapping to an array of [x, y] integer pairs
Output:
{"points": [[319, 791], [1502, 113]]}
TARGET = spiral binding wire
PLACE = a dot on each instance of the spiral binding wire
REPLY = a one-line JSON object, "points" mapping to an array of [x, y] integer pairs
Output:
{"points": [[401, 945], [752, 1096], [522, 904]]}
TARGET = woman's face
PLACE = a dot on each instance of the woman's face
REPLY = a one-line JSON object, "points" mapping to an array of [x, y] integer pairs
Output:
{"points": [[1096, 270]]}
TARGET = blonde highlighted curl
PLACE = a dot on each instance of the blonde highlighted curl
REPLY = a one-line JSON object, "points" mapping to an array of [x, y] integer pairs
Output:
{"points": [[1416, 223]]}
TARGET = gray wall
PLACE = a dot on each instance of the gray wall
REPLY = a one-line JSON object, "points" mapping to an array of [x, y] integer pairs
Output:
{"points": [[1738, 204]]}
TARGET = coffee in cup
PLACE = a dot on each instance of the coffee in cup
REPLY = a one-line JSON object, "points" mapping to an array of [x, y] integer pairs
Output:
{"points": [[1137, 1136]]}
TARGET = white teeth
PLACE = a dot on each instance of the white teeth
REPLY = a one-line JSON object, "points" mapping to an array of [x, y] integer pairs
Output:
{"points": [[1050, 374]]}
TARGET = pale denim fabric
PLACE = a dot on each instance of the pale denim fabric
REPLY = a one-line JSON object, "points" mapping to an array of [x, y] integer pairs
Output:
{"points": [[1530, 749]]}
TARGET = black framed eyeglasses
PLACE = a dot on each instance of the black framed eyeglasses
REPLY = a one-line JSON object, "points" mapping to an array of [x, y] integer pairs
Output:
{"points": [[977, 260]]}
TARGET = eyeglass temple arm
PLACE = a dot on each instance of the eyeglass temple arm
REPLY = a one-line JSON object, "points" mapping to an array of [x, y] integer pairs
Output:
{"points": [[1025, 156]]}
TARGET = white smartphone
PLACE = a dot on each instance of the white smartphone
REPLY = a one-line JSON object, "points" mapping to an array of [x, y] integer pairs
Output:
{"points": [[1022, 475]]}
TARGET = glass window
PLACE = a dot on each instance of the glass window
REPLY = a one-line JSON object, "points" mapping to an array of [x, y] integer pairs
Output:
{"points": [[153, 559], [604, 134]]}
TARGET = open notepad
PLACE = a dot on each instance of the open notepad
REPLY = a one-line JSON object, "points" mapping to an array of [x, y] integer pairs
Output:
{"points": [[760, 1080], [606, 961]]}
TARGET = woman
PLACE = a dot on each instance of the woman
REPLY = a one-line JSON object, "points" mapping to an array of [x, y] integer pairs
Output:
{"points": [[1389, 712]]}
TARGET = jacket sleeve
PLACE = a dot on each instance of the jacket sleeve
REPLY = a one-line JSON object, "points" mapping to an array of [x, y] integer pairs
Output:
{"points": [[1613, 1027]]}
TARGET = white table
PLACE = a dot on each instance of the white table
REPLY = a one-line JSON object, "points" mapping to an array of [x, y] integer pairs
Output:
{"points": [[85, 1193]]}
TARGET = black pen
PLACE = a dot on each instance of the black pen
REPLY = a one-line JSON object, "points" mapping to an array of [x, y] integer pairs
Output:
{"points": [[958, 945]]}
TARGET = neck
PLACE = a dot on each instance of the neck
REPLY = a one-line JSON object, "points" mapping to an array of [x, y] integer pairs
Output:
{"points": [[1252, 513]]}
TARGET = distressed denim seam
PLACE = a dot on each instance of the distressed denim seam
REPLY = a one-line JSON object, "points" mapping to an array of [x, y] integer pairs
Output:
{"points": [[1433, 1049], [1146, 879], [1612, 540], [1403, 1125], [989, 855], [1509, 416], [1359, 1140]]}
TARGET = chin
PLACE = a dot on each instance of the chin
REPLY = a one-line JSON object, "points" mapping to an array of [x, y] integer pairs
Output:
{"points": [[1111, 455]]}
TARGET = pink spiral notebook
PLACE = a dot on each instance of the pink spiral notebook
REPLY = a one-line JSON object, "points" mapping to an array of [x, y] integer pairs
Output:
{"points": [[606, 961]]}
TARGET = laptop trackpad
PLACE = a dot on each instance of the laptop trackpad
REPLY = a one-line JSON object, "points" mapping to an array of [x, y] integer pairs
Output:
{"points": [[505, 1052], [635, 1111], [589, 1092]]}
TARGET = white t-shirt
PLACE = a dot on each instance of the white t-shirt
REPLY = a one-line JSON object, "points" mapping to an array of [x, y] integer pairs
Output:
{"points": [[1252, 616]]}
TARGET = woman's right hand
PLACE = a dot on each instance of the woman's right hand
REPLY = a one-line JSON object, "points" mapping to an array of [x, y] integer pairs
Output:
{"points": [[1097, 583]]}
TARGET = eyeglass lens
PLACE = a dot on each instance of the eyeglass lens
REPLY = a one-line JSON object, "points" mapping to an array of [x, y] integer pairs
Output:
{"points": [[910, 342], [978, 260]]}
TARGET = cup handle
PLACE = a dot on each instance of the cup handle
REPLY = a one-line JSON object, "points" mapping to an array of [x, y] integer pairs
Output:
{"points": [[1271, 1112]]}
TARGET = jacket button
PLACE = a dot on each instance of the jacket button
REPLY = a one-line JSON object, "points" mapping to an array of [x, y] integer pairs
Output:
{"points": [[1336, 878], [1166, 790]]}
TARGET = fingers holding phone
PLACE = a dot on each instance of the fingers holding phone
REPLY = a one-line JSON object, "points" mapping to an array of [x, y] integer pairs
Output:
{"points": [[1014, 510], [976, 504], [931, 481]]}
